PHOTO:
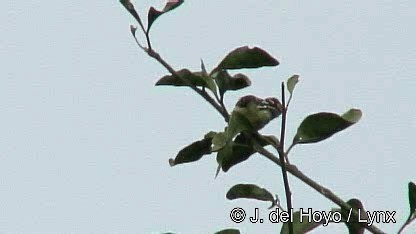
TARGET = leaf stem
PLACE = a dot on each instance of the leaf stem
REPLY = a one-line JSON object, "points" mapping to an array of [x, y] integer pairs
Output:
{"points": [[281, 152]]}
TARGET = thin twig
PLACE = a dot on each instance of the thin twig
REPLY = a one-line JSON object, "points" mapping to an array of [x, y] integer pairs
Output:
{"points": [[281, 152], [408, 221], [290, 148], [138, 43], [146, 33], [292, 169], [221, 101]]}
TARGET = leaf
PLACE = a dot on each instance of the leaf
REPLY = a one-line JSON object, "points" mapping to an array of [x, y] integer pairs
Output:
{"points": [[219, 141], [229, 231], [270, 140], [237, 151], [299, 227], [412, 198], [233, 154], [245, 57], [226, 82], [195, 78], [354, 227], [320, 126], [203, 69], [153, 14], [291, 83], [250, 191], [130, 8], [133, 30], [193, 152]]}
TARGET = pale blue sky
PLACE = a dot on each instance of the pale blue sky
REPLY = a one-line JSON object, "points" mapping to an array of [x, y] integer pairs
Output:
{"points": [[86, 137]]}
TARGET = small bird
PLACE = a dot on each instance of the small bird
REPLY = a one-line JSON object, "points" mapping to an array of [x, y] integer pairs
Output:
{"points": [[259, 111]]}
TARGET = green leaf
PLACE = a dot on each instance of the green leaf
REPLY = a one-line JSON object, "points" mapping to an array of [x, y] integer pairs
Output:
{"points": [[219, 141], [320, 126], [291, 83], [352, 116], [229, 231], [193, 152], [354, 227], [250, 191], [270, 140], [227, 82], [153, 14], [195, 78], [245, 57], [299, 227], [203, 69], [412, 198]]}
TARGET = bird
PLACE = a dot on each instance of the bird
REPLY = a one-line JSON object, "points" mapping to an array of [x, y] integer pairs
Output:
{"points": [[259, 112]]}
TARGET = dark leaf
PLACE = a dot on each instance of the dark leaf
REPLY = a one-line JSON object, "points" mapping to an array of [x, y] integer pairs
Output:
{"points": [[245, 57], [153, 14], [250, 191], [237, 151], [354, 227], [291, 83], [298, 226], [320, 126], [130, 8], [229, 231], [226, 82], [193, 152], [195, 78], [270, 140], [412, 198], [233, 154], [133, 30]]}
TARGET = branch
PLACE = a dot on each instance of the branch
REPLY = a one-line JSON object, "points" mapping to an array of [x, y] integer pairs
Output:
{"points": [[220, 108], [281, 152], [292, 169], [203, 94]]}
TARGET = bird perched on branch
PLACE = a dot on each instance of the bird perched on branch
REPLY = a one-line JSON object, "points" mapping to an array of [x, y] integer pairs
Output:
{"points": [[257, 111]]}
